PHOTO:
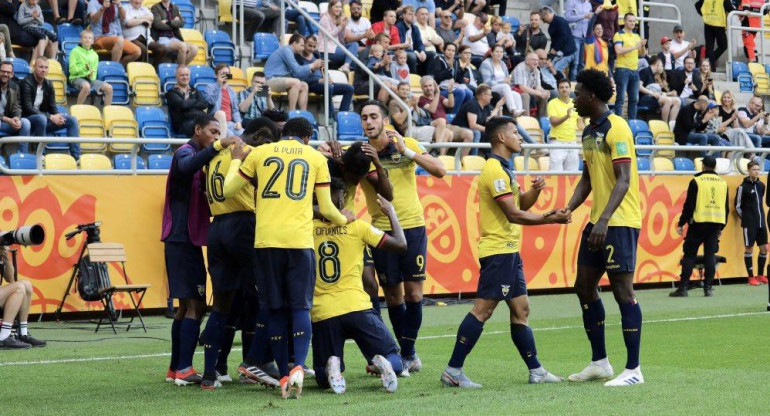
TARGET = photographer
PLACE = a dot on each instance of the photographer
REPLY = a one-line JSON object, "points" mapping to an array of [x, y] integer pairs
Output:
{"points": [[15, 299], [255, 100], [223, 103]]}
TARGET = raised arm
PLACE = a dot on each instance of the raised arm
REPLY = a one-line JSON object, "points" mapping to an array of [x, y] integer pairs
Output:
{"points": [[378, 178], [396, 241], [424, 159]]}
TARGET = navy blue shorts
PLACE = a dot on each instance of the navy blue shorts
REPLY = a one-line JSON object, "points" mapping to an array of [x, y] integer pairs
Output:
{"points": [[501, 277], [285, 277], [368, 260], [186, 271], [366, 328], [618, 254], [395, 268], [231, 251]]}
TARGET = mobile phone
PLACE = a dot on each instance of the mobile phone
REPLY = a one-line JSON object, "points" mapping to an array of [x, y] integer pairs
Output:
{"points": [[229, 76]]}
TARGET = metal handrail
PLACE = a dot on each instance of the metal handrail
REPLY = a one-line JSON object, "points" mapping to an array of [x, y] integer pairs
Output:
{"points": [[730, 28], [642, 19]]}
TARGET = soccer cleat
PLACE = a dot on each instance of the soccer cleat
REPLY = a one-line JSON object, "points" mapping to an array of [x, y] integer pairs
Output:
{"points": [[271, 369], [678, 293], [541, 375], [753, 281], [334, 375], [257, 375], [413, 364], [32, 341], [387, 375], [11, 343], [170, 375], [246, 380], [762, 279], [627, 378], [404, 373], [309, 372], [210, 385], [594, 371], [373, 370], [185, 378], [223, 377], [454, 378], [291, 386]]}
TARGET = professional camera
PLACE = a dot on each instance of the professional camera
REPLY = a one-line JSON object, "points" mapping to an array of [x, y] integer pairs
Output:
{"points": [[91, 229], [28, 235]]}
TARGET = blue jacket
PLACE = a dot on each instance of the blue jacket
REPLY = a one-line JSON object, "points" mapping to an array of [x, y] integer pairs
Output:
{"points": [[282, 64], [214, 98], [561, 36], [416, 37]]}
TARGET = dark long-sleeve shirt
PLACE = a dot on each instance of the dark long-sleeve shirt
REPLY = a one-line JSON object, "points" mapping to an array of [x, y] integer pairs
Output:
{"points": [[688, 210], [686, 122], [749, 203], [181, 109], [561, 36]]}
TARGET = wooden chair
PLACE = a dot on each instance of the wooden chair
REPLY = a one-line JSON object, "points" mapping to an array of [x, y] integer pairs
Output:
{"points": [[116, 253]]}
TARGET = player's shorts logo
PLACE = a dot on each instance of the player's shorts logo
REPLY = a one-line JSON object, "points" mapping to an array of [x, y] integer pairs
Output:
{"points": [[505, 289]]}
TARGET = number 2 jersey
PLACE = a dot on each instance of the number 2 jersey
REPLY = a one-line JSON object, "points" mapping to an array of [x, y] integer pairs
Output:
{"points": [[339, 252], [215, 182]]}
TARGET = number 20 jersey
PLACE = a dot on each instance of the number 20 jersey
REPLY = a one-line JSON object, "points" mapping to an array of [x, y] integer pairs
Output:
{"points": [[339, 254], [215, 182], [287, 174]]}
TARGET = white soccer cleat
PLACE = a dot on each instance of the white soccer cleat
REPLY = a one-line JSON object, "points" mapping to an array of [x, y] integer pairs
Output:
{"points": [[334, 375], [541, 375], [414, 364], [597, 370], [387, 375], [452, 377], [224, 378], [627, 378]]}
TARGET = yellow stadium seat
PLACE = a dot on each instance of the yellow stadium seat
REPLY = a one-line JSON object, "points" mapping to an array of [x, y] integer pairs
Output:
{"points": [[145, 83], [225, 11], [149, 3], [59, 161], [57, 78], [519, 165], [92, 161], [414, 81], [658, 126], [698, 163], [196, 38], [756, 68], [666, 139], [661, 164], [120, 122], [448, 161], [251, 70], [473, 162], [285, 38], [544, 163], [90, 125], [366, 6], [718, 96], [532, 126], [239, 81]]}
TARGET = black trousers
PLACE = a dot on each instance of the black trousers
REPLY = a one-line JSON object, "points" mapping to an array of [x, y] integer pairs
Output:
{"points": [[697, 234], [718, 35]]}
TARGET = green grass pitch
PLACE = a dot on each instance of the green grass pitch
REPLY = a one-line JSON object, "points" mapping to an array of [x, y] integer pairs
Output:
{"points": [[700, 356]]}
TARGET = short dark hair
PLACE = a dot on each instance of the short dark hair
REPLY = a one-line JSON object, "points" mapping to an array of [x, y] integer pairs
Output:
{"points": [[482, 88], [262, 136], [628, 14], [257, 74], [276, 115], [295, 37], [220, 67], [494, 125], [336, 184], [597, 82], [688, 57], [563, 81], [462, 49], [356, 161], [751, 165], [297, 127], [202, 120], [452, 44], [379, 104], [654, 60], [254, 127], [497, 45], [358, 2]]}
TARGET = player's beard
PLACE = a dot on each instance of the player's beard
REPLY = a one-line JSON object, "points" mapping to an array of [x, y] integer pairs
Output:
{"points": [[377, 132]]}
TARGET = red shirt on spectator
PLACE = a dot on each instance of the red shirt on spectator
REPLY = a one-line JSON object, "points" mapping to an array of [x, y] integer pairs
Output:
{"points": [[379, 27], [440, 110], [226, 105]]}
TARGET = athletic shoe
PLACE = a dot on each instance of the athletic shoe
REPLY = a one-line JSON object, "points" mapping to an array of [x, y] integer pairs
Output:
{"points": [[453, 378], [223, 377], [753, 281], [210, 385], [541, 375], [387, 375], [678, 293], [32, 341], [257, 375], [594, 371], [170, 375], [291, 386], [271, 369], [762, 279], [373, 370], [708, 292], [185, 378], [245, 380], [404, 373], [309, 372], [11, 343], [413, 364], [627, 378], [334, 375]]}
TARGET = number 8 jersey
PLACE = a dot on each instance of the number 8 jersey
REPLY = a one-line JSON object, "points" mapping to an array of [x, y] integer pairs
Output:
{"points": [[215, 182], [287, 174], [339, 255]]}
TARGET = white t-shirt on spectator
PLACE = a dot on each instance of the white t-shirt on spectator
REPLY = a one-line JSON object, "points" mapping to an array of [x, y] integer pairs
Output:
{"points": [[756, 126], [360, 27], [675, 48], [131, 33], [38, 98], [481, 46]]}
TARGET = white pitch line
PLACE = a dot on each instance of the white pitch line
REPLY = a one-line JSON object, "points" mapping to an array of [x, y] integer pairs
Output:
{"points": [[552, 328]]}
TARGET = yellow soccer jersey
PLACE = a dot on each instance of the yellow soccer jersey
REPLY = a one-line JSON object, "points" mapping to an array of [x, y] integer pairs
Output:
{"points": [[406, 201], [498, 235], [626, 40], [566, 131], [215, 182], [339, 264], [287, 173], [605, 143]]}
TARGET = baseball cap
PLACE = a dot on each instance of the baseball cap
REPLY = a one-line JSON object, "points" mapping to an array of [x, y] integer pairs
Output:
{"points": [[678, 28], [710, 162], [712, 105], [665, 39]]}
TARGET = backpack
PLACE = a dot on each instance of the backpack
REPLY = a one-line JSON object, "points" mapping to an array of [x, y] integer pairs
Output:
{"points": [[92, 279]]}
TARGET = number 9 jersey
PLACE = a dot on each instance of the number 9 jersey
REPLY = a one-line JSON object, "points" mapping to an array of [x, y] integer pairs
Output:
{"points": [[215, 182]]}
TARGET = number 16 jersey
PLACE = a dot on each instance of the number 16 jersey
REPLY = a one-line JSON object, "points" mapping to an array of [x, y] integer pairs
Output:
{"points": [[287, 174], [215, 182]]}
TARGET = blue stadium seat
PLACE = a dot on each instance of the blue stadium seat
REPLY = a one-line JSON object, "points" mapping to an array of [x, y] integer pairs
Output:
{"points": [[114, 74], [767, 165], [643, 140], [349, 126], [515, 24], [264, 45], [22, 161], [767, 68], [153, 124], [20, 67], [449, 118], [545, 125], [159, 161], [746, 82], [683, 163], [59, 147], [201, 76], [307, 115], [167, 75], [123, 162], [421, 171], [188, 12], [643, 164], [739, 68], [69, 36], [221, 47], [580, 164]]}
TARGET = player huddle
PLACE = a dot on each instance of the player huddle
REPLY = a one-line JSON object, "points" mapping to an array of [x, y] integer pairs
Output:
{"points": [[312, 266]]}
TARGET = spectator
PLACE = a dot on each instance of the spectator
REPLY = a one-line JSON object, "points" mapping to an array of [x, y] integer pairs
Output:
{"points": [[388, 26], [359, 28], [165, 27], [379, 63], [627, 45], [495, 74], [30, 18], [284, 73], [476, 38], [596, 53], [564, 129], [83, 65], [293, 15], [579, 14], [223, 103], [335, 22], [11, 123], [474, 114], [465, 72], [530, 38], [714, 13], [380, 8], [475, 6], [562, 43], [253, 18], [422, 124], [506, 37], [444, 71], [549, 76], [679, 47], [136, 29], [10, 29], [253, 101], [607, 16], [707, 89], [361, 79], [731, 128], [399, 70], [669, 62], [526, 77], [185, 103], [656, 92], [315, 79], [756, 121], [75, 9], [430, 38], [436, 105], [447, 32], [686, 81], [272, 15], [415, 49], [692, 119], [38, 105], [15, 299], [105, 17], [454, 8], [430, 9]]}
